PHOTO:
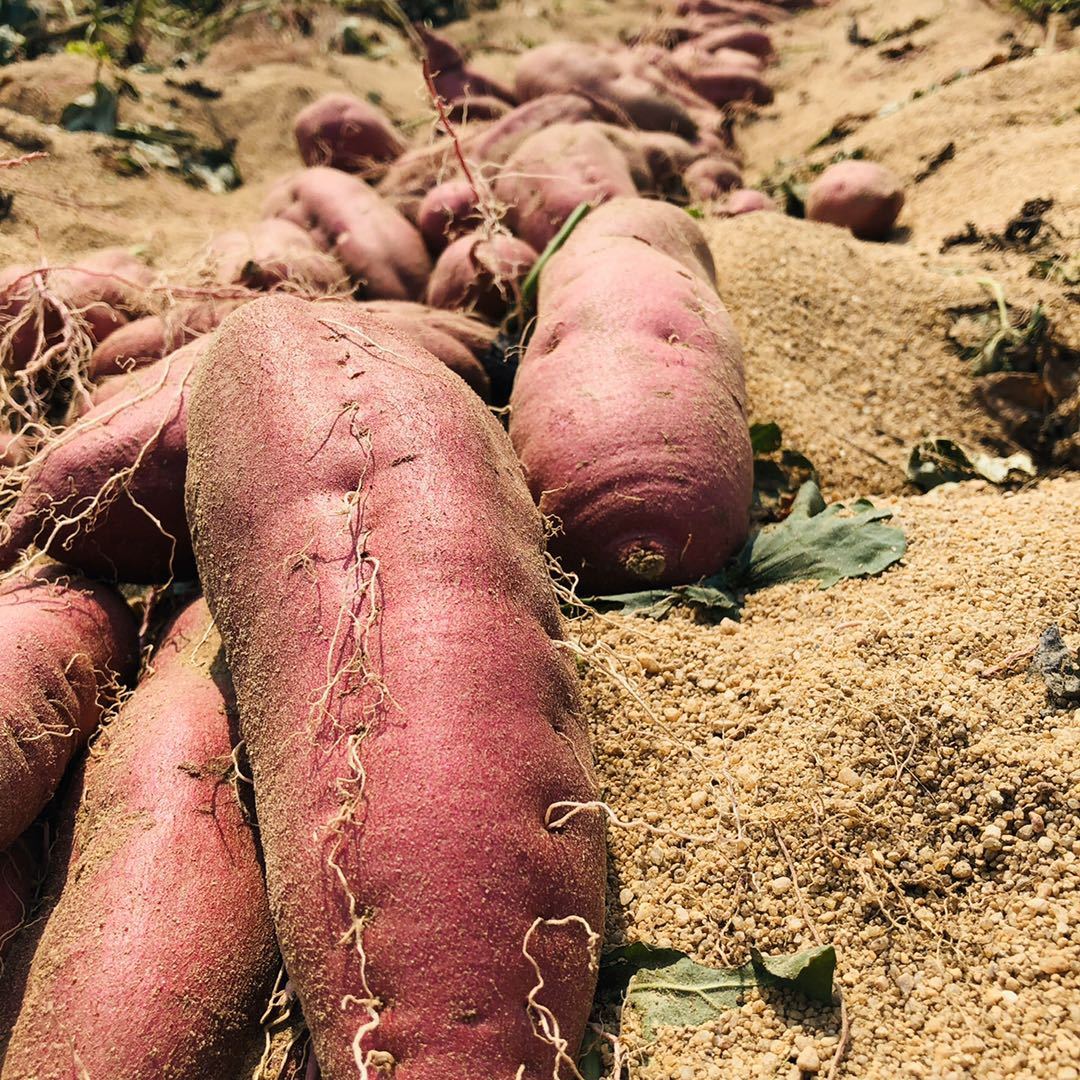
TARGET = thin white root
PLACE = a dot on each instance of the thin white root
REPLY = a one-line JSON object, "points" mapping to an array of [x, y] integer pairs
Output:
{"points": [[575, 808], [544, 1022]]}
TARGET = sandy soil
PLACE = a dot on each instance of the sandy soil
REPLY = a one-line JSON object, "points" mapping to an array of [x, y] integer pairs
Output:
{"points": [[864, 765]]}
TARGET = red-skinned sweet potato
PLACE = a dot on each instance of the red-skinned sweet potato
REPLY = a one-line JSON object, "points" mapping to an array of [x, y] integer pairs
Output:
{"points": [[450, 336], [622, 82], [628, 411], [555, 170], [744, 38], [65, 646], [161, 902], [150, 338], [708, 178], [22, 868], [750, 11], [346, 133], [497, 142], [464, 110], [862, 196], [721, 80], [447, 211], [743, 201], [382, 251], [453, 76], [106, 495], [101, 289], [387, 524], [273, 253], [481, 273]]}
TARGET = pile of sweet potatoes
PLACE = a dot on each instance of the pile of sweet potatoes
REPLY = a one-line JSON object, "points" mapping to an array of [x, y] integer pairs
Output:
{"points": [[287, 711]]}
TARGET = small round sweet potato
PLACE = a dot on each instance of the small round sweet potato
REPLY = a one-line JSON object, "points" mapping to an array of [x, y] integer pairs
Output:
{"points": [[862, 196], [708, 178], [481, 274], [346, 133], [743, 201], [446, 212], [452, 74]]}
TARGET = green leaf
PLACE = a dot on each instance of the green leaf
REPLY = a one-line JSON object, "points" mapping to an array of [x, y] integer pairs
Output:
{"points": [[937, 461], [668, 989], [532, 280], [810, 972], [765, 438], [822, 543], [94, 111], [710, 597]]}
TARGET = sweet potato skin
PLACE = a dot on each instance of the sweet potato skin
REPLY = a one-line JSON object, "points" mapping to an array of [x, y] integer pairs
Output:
{"points": [[272, 253], [628, 411], [446, 212], [708, 178], [481, 274], [22, 866], [103, 288], [150, 338], [132, 447], [64, 642], [862, 196], [346, 133], [452, 870], [161, 901], [382, 251], [450, 336], [554, 171]]}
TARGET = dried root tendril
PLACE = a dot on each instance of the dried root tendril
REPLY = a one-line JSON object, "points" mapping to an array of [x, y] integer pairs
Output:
{"points": [[544, 1022]]}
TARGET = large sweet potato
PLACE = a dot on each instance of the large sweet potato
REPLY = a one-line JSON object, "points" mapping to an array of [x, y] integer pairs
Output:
{"points": [[629, 408], [65, 647], [381, 250], [158, 954], [411, 732], [346, 133], [106, 495]]}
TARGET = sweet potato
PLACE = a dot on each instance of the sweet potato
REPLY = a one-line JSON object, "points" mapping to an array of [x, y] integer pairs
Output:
{"points": [[22, 867], [150, 338], [453, 76], [346, 133], [106, 495], [555, 170], [496, 143], [101, 289], [387, 525], [750, 11], [743, 201], [628, 412], [453, 337], [462, 110], [272, 253], [447, 211], [65, 646], [618, 80], [380, 249], [741, 37], [708, 178], [858, 195], [158, 955], [720, 79], [481, 273]]}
